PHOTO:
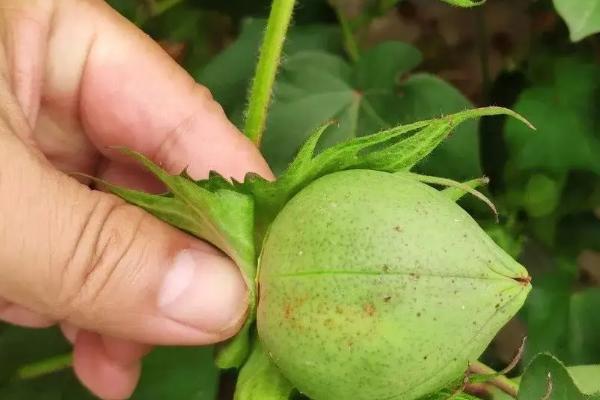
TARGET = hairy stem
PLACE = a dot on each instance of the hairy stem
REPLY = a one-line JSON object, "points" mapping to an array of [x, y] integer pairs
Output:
{"points": [[266, 69], [45, 367], [500, 381]]}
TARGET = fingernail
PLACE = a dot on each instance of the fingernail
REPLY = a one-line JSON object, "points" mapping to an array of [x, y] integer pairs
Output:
{"points": [[203, 290]]}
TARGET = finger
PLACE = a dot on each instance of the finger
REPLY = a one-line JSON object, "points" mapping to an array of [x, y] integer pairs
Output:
{"points": [[69, 331], [18, 315], [100, 373], [124, 352], [169, 117], [107, 81], [87, 258]]}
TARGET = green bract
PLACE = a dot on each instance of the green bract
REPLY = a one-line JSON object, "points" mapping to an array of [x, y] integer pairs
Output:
{"points": [[376, 286], [371, 284]]}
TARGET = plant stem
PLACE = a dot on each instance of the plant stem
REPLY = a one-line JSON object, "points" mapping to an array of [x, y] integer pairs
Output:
{"points": [[500, 381], [266, 69], [45, 367], [348, 34], [484, 58]]}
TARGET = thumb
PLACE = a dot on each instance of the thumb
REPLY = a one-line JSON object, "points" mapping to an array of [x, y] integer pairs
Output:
{"points": [[86, 257]]}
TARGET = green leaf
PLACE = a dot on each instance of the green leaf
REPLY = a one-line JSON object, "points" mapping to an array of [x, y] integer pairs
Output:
{"points": [[58, 386], [221, 216], [505, 237], [389, 60], [561, 106], [235, 351], [260, 379], [20, 346], [425, 96], [228, 75], [375, 94], [542, 195], [563, 322], [547, 374], [178, 373], [582, 16], [584, 376], [580, 232]]}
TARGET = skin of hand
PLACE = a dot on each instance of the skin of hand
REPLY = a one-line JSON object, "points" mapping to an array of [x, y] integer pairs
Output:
{"points": [[75, 79]]}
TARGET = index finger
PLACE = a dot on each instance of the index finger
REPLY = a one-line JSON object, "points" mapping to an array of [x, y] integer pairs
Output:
{"points": [[125, 90]]}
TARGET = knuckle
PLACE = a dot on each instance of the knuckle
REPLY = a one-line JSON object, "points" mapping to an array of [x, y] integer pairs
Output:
{"points": [[103, 251], [203, 92], [208, 102], [173, 152]]}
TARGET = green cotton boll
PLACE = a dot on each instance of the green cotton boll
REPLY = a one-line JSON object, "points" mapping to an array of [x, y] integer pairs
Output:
{"points": [[377, 286]]}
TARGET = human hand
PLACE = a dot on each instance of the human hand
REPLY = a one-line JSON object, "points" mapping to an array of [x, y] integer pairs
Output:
{"points": [[75, 79]]}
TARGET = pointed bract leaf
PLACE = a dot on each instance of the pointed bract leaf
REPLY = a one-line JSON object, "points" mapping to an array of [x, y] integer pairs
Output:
{"points": [[260, 379], [234, 353], [406, 146], [453, 184], [211, 210], [456, 193]]}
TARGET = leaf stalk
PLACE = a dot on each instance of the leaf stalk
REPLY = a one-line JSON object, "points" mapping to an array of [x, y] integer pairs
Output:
{"points": [[266, 69], [500, 381], [45, 367]]}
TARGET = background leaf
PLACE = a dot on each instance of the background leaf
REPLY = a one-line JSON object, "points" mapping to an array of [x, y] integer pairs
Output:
{"points": [[561, 103], [375, 94], [228, 75], [260, 379], [534, 384], [582, 16], [177, 373]]}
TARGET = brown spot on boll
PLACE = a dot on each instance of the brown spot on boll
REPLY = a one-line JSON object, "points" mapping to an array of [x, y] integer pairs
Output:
{"points": [[369, 309], [288, 311], [387, 299]]}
